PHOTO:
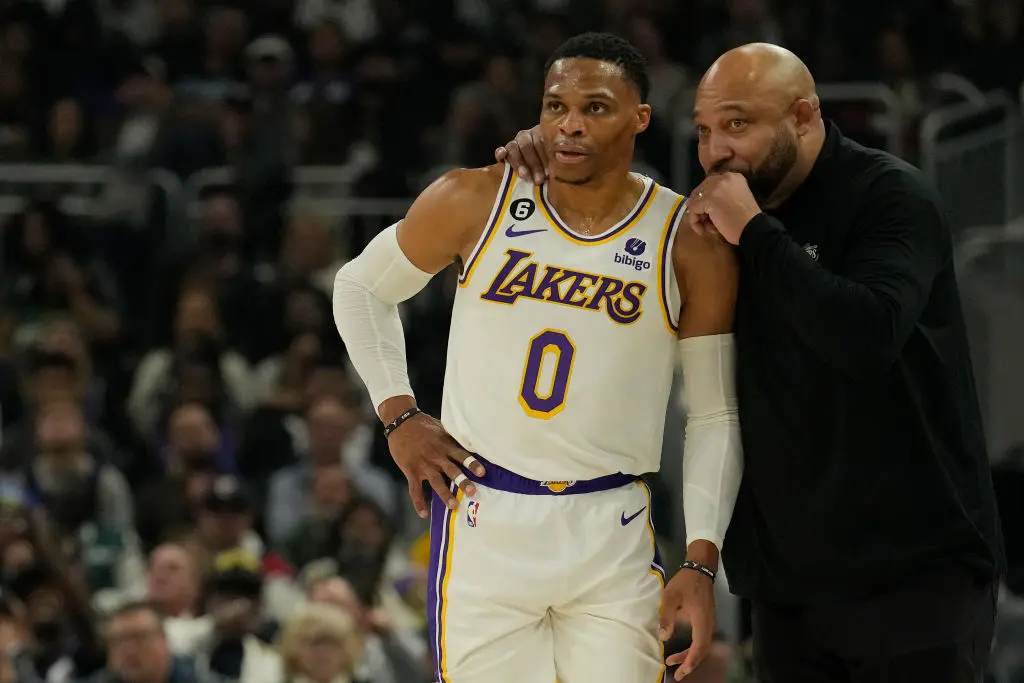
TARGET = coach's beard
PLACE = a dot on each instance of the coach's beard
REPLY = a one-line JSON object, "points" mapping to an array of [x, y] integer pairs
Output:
{"points": [[766, 178]]}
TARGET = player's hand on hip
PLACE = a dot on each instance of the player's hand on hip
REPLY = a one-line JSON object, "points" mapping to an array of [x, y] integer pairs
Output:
{"points": [[527, 155], [689, 597], [425, 452]]}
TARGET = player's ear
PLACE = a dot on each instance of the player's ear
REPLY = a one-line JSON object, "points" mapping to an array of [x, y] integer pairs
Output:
{"points": [[643, 117]]}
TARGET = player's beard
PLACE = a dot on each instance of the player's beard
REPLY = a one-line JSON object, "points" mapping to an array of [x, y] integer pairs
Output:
{"points": [[769, 174]]}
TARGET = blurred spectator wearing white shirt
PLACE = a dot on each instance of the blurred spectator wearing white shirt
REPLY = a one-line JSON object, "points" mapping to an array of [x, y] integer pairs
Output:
{"points": [[225, 641]]}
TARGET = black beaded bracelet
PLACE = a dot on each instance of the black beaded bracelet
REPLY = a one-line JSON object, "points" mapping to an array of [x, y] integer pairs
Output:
{"points": [[698, 567], [400, 420]]}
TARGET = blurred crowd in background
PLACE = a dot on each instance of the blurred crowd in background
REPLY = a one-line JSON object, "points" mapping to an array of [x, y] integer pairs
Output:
{"points": [[192, 487]]}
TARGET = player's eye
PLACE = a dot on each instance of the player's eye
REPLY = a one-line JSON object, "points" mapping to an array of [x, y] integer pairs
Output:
{"points": [[597, 108], [737, 124], [554, 106], [701, 131]]}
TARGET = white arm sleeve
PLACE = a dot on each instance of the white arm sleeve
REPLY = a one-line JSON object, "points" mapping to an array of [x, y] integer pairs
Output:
{"points": [[712, 452], [367, 291]]}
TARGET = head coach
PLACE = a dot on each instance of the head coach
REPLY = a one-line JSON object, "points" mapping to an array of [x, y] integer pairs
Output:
{"points": [[865, 531]]}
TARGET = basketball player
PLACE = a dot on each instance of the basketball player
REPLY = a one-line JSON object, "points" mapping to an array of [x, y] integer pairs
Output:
{"points": [[572, 301]]}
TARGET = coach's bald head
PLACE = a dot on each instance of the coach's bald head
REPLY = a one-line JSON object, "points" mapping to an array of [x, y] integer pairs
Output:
{"points": [[757, 113]]}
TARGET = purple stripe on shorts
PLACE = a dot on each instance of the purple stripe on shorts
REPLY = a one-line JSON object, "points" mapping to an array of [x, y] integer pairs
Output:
{"points": [[439, 517], [500, 479], [656, 563]]}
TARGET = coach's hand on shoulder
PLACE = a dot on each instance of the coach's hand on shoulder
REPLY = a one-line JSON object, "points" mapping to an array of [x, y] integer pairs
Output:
{"points": [[689, 597], [425, 452], [527, 155]]}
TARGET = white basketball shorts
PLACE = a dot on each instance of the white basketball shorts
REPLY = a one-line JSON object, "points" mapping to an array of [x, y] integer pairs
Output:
{"points": [[544, 582]]}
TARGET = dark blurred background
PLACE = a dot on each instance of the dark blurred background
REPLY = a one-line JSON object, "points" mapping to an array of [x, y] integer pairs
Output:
{"points": [[179, 182]]}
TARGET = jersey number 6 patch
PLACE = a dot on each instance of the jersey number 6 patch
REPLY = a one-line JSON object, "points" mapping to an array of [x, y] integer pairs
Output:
{"points": [[542, 394]]}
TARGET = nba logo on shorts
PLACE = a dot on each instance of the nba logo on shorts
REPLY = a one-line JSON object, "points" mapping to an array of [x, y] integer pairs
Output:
{"points": [[471, 510]]}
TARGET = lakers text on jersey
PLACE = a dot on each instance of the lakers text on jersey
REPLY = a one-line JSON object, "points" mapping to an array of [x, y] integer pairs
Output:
{"points": [[563, 345]]}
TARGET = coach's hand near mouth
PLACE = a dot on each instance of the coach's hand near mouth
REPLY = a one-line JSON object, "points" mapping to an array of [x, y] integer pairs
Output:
{"points": [[723, 202]]}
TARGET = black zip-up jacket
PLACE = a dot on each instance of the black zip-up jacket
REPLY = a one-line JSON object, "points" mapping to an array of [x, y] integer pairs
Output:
{"points": [[866, 463]]}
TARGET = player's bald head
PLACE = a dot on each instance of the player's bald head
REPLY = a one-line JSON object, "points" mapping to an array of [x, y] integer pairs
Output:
{"points": [[757, 113], [762, 72]]}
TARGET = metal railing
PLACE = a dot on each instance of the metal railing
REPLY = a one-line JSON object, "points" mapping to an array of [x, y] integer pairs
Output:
{"points": [[956, 87], [82, 190], [79, 189], [325, 186], [990, 266], [326, 191], [971, 152]]}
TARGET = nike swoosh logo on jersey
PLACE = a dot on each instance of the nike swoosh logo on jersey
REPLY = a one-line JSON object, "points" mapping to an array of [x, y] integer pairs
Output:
{"points": [[510, 231], [626, 520]]}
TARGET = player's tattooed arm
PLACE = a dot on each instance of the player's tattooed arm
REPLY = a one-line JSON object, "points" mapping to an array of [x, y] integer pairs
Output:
{"points": [[446, 220]]}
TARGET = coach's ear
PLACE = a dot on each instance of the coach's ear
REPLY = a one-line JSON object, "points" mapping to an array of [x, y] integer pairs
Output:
{"points": [[643, 117]]}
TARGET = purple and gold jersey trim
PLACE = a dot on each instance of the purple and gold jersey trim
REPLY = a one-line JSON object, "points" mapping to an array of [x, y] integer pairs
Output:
{"points": [[665, 265], [443, 525], [541, 195], [500, 479], [442, 530], [500, 206], [657, 567]]}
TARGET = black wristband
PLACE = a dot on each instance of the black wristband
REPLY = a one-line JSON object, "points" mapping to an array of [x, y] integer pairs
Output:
{"points": [[698, 567], [400, 420]]}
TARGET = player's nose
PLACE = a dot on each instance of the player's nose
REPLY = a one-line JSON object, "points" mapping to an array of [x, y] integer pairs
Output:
{"points": [[573, 124]]}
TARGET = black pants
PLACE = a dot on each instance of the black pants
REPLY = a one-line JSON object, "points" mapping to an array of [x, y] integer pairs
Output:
{"points": [[937, 629]]}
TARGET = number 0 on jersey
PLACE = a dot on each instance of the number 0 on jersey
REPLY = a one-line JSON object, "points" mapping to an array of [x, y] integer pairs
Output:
{"points": [[544, 402]]}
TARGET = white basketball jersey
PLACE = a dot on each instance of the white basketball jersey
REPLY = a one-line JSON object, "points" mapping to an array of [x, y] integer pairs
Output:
{"points": [[563, 346]]}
